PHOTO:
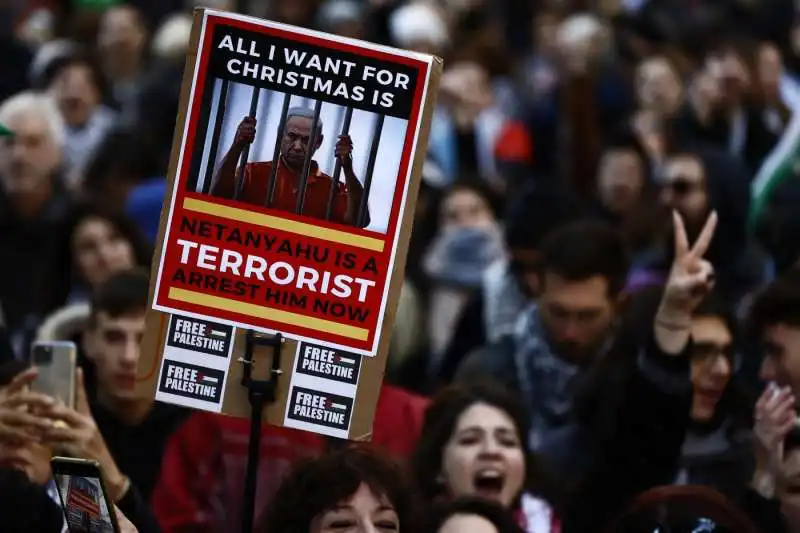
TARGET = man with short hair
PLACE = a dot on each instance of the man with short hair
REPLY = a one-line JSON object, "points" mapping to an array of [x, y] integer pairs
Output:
{"points": [[78, 86], [33, 202], [124, 431], [583, 268], [122, 45], [775, 322], [510, 284], [293, 153]]}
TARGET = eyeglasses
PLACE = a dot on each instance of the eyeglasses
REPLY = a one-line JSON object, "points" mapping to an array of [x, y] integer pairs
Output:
{"points": [[707, 353], [681, 185]]}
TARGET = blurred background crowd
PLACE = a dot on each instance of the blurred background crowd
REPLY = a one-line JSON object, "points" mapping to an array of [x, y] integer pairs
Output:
{"points": [[537, 361]]}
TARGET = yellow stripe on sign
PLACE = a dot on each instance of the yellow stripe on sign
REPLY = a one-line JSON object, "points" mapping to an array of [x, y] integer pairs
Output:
{"points": [[271, 221], [276, 315]]}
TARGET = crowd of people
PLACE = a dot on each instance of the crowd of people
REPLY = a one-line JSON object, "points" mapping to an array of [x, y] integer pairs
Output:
{"points": [[599, 325]]}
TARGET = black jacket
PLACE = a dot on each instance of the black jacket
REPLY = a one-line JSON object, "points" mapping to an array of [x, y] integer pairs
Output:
{"points": [[628, 432], [640, 449]]}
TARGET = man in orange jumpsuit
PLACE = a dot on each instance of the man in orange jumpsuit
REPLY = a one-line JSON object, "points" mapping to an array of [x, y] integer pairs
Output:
{"points": [[294, 147]]}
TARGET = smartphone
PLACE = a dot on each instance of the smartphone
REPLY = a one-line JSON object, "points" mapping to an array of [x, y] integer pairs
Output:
{"points": [[56, 362], [87, 507]]}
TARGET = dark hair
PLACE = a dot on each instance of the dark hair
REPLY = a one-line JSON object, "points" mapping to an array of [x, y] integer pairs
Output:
{"points": [[479, 187], [123, 154], [316, 485], [778, 303], [121, 294], [63, 278], [440, 422], [738, 401], [500, 518], [586, 248], [669, 505], [715, 304], [535, 214], [77, 58]]}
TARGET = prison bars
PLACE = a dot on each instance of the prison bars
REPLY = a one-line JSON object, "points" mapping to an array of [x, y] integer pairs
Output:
{"points": [[219, 116], [337, 168], [246, 152], [312, 144], [276, 153], [361, 217]]}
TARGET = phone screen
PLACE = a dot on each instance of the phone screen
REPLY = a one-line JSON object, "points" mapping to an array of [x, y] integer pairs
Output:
{"points": [[86, 508]]}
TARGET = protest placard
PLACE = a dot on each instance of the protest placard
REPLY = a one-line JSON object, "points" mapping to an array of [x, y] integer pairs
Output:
{"points": [[266, 120], [295, 167]]}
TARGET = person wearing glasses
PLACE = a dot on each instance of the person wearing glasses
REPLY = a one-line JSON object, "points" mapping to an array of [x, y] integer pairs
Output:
{"points": [[717, 450], [693, 182], [717, 444]]}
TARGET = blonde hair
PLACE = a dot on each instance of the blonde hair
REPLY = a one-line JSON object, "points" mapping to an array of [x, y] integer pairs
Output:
{"points": [[34, 102]]}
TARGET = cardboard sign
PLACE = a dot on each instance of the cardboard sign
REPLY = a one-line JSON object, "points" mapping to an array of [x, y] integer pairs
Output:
{"points": [[243, 245], [269, 111]]}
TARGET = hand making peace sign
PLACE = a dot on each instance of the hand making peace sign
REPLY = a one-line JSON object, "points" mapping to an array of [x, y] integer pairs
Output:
{"points": [[691, 277]]}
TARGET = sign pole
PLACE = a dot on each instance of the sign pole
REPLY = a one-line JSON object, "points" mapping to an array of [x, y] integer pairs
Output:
{"points": [[260, 393]]}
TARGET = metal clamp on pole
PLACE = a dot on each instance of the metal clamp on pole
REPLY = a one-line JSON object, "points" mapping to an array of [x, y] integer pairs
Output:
{"points": [[260, 392]]}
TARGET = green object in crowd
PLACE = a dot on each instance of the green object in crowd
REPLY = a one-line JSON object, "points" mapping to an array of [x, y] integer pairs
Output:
{"points": [[96, 4], [780, 165], [5, 132]]}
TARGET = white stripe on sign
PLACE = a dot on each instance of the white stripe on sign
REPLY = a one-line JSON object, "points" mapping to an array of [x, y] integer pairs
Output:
{"points": [[209, 379], [346, 361], [217, 333], [339, 406]]}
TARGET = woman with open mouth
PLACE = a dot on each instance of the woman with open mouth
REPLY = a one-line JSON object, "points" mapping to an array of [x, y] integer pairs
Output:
{"points": [[472, 444]]}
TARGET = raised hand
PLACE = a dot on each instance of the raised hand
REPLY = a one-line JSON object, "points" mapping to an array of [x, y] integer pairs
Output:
{"points": [[246, 132], [691, 277], [75, 432], [344, 150], [775, 417]]}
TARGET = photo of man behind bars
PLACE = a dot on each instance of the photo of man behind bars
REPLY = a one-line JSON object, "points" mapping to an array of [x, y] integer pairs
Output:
{"points": [[263, 147]]}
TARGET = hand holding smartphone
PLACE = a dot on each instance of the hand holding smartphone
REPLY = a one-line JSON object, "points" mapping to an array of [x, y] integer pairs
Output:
{"points": [[55, 362], [83, 495]]}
